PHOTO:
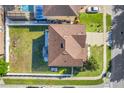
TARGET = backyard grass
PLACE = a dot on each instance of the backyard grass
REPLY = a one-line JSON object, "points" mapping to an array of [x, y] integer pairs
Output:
{"points": [[52, 82], [97, 53], [94, 22], [25, 47]]}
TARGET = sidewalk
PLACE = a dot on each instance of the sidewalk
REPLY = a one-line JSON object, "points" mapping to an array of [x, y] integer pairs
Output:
{"points": [[1, 82], [49, 76]]}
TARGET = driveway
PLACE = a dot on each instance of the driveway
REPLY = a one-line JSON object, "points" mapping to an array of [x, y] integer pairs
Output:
{"points": [[95, 38]]}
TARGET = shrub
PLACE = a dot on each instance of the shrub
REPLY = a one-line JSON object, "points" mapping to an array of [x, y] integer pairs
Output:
{"points": [[3, 67], [91, 64]]}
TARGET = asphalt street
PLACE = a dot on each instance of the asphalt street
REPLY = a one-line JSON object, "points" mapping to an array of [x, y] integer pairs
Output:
{"points": [[117, 63]]}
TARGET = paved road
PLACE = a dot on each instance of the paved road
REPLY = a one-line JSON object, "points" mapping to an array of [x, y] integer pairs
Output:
{"points": [[117, 77], [53, 86]]}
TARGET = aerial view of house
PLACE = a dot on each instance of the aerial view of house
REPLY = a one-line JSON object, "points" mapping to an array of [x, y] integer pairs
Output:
{"points": [[64, 44], [67, 42]]}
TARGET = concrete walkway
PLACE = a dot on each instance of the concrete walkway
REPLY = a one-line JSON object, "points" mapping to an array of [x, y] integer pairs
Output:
{"points": [[7, 42], [1, 82], [105, 39], [48, 76]]}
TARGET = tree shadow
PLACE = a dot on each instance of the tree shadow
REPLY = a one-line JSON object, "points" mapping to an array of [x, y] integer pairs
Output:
{"points": [[37, 57], [117, 68], [38, 28], [117, 62], [116, 8]]}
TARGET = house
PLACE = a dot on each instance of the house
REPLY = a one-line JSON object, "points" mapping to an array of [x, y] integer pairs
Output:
{"points": [[61, 10], [67, 45], [1, 31], [20, 12]]}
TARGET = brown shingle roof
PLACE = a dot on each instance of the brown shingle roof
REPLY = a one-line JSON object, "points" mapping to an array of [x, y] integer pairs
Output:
{"points": [[61, 10], [67, 45]]}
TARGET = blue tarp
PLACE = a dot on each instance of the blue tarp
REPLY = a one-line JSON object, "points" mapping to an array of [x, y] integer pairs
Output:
{"points": [[39, 12]]}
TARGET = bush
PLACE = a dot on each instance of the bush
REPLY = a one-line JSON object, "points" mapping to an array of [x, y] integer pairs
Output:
{"points": [[91, 64], [3, 67], [64, 70]]}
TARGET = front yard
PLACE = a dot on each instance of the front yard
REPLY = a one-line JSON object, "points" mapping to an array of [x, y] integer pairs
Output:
{"points": [[97, 53], [94, 22]]}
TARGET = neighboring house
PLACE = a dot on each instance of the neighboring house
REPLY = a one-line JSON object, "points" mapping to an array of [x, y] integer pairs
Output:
{"points": [[20, 12], [67, 45], [1, 18], [39, 12], [1, 31], [61, 10]]}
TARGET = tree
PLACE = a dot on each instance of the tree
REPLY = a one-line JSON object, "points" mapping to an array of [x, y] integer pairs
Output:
{"points": [[76, 20], [91, 64], [3, 67]]}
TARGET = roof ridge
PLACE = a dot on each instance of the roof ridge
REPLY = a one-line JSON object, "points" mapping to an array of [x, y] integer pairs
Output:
{"points": [[77, 44], [73, 9], [48, 9]]}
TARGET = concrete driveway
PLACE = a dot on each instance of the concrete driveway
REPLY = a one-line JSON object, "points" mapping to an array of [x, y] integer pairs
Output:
{"points": [[95, 38]]}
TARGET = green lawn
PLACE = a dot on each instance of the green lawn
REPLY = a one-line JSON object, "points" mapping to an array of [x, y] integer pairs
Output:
{"points": [[97, 53], [108, 56], [94, 22], [52, 82], [25, 47]]}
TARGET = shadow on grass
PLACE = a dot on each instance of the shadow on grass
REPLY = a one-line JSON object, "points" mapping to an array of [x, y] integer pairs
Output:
{"points": [[37, 57], [37, 28]]}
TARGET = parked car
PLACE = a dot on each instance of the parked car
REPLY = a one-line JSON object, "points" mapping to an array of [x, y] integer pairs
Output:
{"points": [[109, 75], [92, 9]]}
